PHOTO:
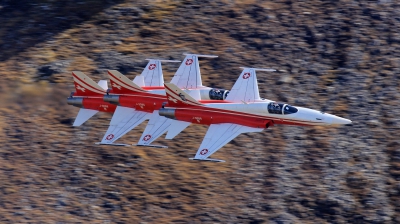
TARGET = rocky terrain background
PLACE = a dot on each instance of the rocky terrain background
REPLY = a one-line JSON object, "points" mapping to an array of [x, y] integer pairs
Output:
{"points": [[341, 57]]}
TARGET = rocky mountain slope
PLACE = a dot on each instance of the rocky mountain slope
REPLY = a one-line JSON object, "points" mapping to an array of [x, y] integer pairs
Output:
{"points": [[341, 57]]}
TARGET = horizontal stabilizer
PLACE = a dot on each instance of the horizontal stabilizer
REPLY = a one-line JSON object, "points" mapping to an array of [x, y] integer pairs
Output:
{"points": [[152, 146], [83, 116], [210, 160], [103, 84], [175, 128], [114, 144]]}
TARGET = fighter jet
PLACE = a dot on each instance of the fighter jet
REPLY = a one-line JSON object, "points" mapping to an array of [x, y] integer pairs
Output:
{"points": [[89, 96], [247, 113], [137, 99], [136, 105]]}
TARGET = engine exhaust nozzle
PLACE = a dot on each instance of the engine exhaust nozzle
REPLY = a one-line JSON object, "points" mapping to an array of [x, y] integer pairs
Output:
{"points": [[113, 99], [167, 112], [75, 101]]}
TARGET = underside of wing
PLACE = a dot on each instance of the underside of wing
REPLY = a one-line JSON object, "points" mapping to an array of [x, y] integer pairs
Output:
{"points": [[219, 135], [175, 128], [124, 120], [157, 126], [83, 116]]}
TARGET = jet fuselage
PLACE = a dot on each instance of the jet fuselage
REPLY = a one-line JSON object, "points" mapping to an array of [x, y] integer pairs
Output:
{"points": [[257, 115]]}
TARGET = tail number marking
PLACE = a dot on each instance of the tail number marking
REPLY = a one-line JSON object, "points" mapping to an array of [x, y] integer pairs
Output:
{"points": [[141, 105], [198, 119]]}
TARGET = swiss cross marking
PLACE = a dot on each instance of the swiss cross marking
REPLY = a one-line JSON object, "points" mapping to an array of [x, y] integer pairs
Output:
{"points": [[80, 88], [147, 137], [246, 75], [110, 136], [203, 152], [189, 61], [116, 86], [152, 66]]}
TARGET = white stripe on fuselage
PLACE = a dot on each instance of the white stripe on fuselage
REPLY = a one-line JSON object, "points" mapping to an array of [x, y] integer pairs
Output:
{"points": [[260, 109]]}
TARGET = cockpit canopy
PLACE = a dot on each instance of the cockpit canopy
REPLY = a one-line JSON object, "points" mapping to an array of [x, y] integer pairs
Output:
{"points": [[280, 108]]}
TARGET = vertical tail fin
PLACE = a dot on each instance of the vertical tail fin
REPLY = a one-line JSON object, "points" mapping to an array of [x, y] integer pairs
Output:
{"points": [[152, 74], [85, 86], [245, 88], [188, 74], [121, 84], [177, 97]]}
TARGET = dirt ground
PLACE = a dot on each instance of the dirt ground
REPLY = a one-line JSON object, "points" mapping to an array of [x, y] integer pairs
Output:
{"points": [[341, 57]]}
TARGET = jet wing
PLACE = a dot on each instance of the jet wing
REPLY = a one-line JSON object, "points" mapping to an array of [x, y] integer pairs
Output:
{"points": [[157, 126], [123, 120], [175, 128], [219, 135]]}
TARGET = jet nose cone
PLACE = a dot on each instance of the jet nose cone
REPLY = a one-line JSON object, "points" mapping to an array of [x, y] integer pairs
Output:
{"points": [[340, 120]]}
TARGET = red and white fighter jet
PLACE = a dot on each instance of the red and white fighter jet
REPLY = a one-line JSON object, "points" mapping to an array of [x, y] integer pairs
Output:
{"points": [[89, 96], [135, 104], [247, 113]]}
